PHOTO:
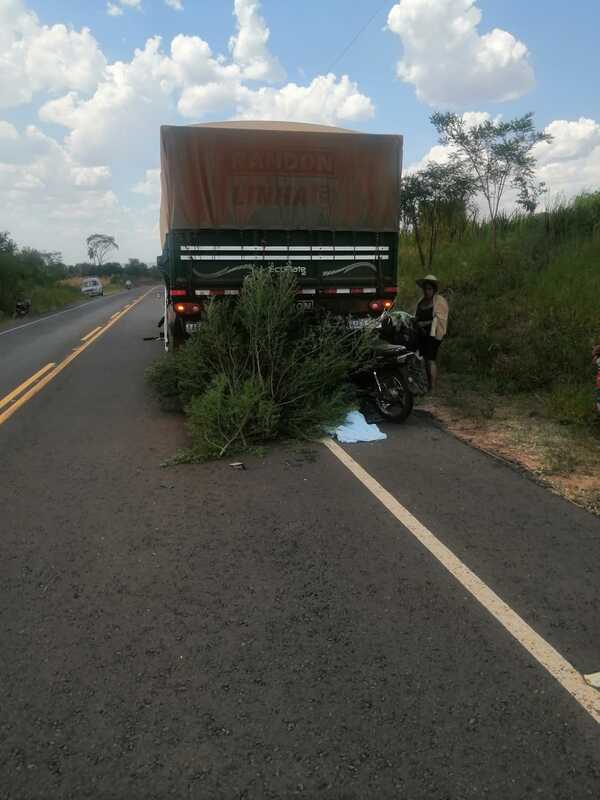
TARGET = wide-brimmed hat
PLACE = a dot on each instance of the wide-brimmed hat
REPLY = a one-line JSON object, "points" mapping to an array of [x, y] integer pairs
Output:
{"points": [[428, 279]]}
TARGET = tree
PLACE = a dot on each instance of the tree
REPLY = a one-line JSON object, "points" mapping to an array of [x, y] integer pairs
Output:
{"points": [[497, 154], [431, 197], [7, 245], [98, 247]]}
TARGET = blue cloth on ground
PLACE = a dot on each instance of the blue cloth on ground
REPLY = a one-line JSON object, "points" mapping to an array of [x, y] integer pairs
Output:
{"points": [[355, 429]]}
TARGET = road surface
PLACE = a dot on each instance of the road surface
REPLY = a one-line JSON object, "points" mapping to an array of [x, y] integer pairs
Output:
{"points": [[203, 632]]}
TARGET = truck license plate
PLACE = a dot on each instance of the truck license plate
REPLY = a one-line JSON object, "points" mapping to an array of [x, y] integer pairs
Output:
{"points": [[362, 322], [192, 327]]}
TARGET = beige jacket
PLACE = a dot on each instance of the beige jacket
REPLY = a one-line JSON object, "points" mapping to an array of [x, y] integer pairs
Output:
{"points": [[439, 326]]}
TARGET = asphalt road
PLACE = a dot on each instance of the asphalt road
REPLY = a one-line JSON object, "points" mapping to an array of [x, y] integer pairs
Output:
{"points": [[30, 343], [204, 632]]}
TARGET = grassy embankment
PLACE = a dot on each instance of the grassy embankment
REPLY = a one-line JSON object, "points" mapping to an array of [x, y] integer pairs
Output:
{"points": [[44, 286], [20, 278], [523, 323]]}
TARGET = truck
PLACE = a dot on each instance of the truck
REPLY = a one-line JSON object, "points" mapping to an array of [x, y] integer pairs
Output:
{"points": [[318, 201]]}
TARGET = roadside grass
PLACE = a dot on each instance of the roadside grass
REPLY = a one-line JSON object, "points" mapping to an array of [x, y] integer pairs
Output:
{"points": [[258, 372], [516, 372], [45, 299], [526, 430], [113, 288], [525, 320], [50, 298]]}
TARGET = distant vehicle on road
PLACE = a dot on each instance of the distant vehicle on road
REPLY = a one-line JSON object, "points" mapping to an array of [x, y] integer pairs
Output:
{"points": [[128, 284], [92, 287]]}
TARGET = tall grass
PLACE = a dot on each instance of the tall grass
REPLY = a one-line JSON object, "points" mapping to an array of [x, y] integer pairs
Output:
{"points": [[25, 276], [527, 318]]}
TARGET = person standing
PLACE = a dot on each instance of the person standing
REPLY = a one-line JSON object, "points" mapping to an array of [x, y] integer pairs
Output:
{"points": [[431, 318]]}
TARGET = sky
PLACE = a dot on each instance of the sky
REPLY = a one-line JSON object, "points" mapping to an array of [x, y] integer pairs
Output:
{"points": [[85, 86]]}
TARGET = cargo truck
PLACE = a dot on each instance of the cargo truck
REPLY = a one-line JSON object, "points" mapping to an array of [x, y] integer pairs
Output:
{"points": [[318, 201]]}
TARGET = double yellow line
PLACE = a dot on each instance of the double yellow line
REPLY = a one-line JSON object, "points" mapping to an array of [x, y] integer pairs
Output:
{"points": [[29, 388]]}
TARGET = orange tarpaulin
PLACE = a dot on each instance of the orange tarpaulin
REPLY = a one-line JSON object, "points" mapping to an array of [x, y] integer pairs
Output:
{"points": [[278, 176]]}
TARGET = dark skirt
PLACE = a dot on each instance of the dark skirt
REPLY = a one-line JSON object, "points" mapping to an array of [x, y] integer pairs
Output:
{"points": [[428, 347]]}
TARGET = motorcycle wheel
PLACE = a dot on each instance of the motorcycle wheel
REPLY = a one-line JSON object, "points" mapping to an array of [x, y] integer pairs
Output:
{"points": [[395, 402]]}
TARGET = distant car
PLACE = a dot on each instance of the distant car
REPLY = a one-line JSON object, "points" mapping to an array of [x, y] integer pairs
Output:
{"points": [[92, 287], [128, 284]]}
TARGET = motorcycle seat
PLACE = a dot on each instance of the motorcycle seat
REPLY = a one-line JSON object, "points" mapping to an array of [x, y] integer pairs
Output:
{"points": [[386, 347]]}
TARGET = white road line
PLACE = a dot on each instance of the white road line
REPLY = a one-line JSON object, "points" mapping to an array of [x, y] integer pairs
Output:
{"points": [[593, 679], [50, 316], [549, 658]]}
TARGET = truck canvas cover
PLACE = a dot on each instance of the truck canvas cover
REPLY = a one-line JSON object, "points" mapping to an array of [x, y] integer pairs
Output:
{"points": [[278, 176]]}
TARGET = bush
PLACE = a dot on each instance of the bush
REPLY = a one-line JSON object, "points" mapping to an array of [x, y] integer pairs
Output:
{"points": [[258, 371], [25, 274], [573, 404], [525, 319]]}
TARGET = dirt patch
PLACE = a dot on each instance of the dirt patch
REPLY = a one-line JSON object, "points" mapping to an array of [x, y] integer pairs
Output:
{"points": [[565, 458]]}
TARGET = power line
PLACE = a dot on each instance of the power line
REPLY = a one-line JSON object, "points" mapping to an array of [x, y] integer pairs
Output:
{"points": [[362, 30]]}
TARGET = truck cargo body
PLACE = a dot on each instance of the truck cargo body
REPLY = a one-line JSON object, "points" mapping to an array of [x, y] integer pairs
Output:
{"points": [[319, 202]]}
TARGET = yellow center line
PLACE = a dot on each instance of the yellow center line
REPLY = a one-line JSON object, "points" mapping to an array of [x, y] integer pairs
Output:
{"points": [[20, 389], [65, 362], [91, 333]]}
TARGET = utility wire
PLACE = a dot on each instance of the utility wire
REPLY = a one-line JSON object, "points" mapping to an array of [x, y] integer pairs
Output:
{"points": [[362, 30]]}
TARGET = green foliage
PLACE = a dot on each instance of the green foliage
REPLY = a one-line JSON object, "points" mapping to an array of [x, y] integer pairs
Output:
{"points": [[31, 274], [526, 321], [497, 154], [162, 376], [435, 200], [98, 247], [570, 403], [259, 371]]}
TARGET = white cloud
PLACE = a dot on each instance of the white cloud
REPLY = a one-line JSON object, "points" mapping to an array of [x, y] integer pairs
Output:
{"points": [[449, 62], [8, 131], [150, 186], [135, 97], [51, 202], [54, 193], [114, 10], [176, 5], [324, 100], [35, 57], [249, 45], [569, 164]]}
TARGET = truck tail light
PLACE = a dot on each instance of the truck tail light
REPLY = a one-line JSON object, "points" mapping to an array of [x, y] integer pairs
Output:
{"points": [[380, 305], [188, 309]]}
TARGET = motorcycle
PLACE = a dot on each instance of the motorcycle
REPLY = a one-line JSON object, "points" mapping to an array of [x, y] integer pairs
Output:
{"points": [[22, 308], [396, 373]]}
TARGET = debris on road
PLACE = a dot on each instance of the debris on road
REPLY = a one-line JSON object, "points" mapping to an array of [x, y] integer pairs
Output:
{"points": [[357, 429], [238, 465]]}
